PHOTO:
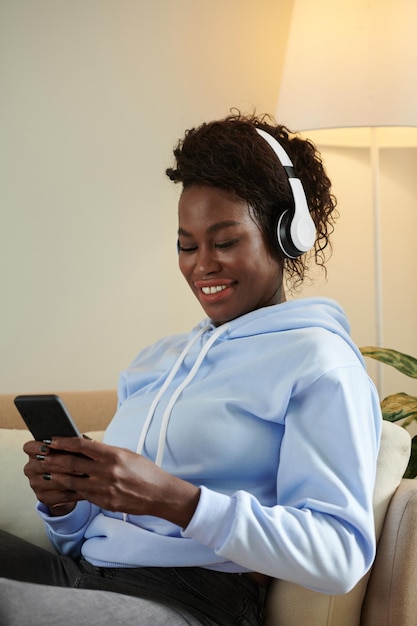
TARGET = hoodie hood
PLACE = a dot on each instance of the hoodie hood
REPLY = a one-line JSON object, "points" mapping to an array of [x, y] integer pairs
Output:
{"points": [[321, 313]]}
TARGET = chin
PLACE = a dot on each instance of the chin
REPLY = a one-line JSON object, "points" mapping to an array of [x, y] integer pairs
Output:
{"points": [[218, 321]]}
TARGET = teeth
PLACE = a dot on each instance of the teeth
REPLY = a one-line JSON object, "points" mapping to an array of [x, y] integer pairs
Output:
{"points": [[210, 290]]}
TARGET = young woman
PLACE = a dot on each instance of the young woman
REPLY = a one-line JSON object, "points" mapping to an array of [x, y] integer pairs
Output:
{"points": [[243, 451]]}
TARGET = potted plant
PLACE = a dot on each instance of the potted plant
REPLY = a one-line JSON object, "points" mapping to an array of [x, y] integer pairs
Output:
{"points": [[399, 406]]}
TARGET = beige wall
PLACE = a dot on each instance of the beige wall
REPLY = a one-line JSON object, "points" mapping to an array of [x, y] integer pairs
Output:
{"points": [[94, 95]]}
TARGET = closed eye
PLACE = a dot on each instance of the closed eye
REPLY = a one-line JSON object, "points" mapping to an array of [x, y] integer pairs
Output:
{"points": [[186, 248], [227, 244]]}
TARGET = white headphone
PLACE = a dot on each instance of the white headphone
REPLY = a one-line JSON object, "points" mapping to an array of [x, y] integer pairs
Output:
{"points": [[296, 230]]}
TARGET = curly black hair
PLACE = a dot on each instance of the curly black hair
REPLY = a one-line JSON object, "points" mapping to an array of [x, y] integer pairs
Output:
{"points": [[230, 154]]}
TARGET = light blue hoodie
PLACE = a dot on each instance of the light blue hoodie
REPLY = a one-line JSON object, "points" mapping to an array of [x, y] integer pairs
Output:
{"points": [[274, 416]]}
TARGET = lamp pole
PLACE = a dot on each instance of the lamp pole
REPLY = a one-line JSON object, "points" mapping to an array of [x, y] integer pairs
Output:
{"points": [[376, 201]]}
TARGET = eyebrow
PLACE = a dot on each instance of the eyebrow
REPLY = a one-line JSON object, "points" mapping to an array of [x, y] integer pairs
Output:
{"points": [[214, 228]]}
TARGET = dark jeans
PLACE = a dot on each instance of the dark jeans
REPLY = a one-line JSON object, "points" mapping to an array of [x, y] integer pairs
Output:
{"points": [[202, 596]]}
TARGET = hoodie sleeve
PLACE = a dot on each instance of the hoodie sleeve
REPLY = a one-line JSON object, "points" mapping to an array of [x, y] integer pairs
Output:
{"points": [[66, 533], [320, 534]]}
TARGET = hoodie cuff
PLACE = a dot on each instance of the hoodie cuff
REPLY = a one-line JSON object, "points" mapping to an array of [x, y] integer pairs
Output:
{"points": [[66, 524], [212, 521]]}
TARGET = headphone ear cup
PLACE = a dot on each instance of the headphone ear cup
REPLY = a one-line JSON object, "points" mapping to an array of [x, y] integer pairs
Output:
{"points": [[284, 236], [296, 231]]}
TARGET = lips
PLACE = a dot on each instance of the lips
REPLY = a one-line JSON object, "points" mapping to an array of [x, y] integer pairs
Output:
{"points": [[212, 291]]}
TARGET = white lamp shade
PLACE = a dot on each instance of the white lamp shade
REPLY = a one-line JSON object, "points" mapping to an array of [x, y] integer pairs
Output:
{"points": [[350, 79], [350, 63]]}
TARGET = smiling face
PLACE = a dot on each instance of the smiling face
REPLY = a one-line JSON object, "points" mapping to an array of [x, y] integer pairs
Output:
{"points": [[223, 256]]}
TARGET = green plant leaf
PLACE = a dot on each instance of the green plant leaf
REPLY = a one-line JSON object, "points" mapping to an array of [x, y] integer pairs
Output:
{"points": [[411, 471], [402, 362], [399, 406]]}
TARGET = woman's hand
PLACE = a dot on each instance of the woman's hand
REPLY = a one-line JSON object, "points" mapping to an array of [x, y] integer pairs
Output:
{"points": [[59, 500], [115, 479]]}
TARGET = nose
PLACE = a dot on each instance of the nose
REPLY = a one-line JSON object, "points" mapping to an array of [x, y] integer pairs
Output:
{"points": [[206, 261]]}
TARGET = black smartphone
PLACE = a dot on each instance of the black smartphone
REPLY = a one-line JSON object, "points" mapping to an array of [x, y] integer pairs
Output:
{"points": [[46, 416]]}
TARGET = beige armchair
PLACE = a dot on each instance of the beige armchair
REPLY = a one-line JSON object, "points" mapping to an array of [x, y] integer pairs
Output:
{"points": [[385, 597]]}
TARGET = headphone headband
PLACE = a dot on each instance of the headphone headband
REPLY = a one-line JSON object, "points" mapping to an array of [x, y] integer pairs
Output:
{"points": [[297, 232]]}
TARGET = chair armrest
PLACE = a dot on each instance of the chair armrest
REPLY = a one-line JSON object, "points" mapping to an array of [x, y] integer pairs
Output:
{"points": [[391, 597]]}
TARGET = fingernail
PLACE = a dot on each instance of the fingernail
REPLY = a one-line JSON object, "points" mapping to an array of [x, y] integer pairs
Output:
{"points": [[47, 441], [43, 448], [47, 476], [40, 457]]}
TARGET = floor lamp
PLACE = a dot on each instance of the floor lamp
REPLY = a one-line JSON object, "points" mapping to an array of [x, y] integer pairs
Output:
{"points": [[350, 79]]}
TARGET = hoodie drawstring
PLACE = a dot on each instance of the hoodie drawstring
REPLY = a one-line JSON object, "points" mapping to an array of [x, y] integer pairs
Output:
{"points": [[167, 413], [162, 390]]}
